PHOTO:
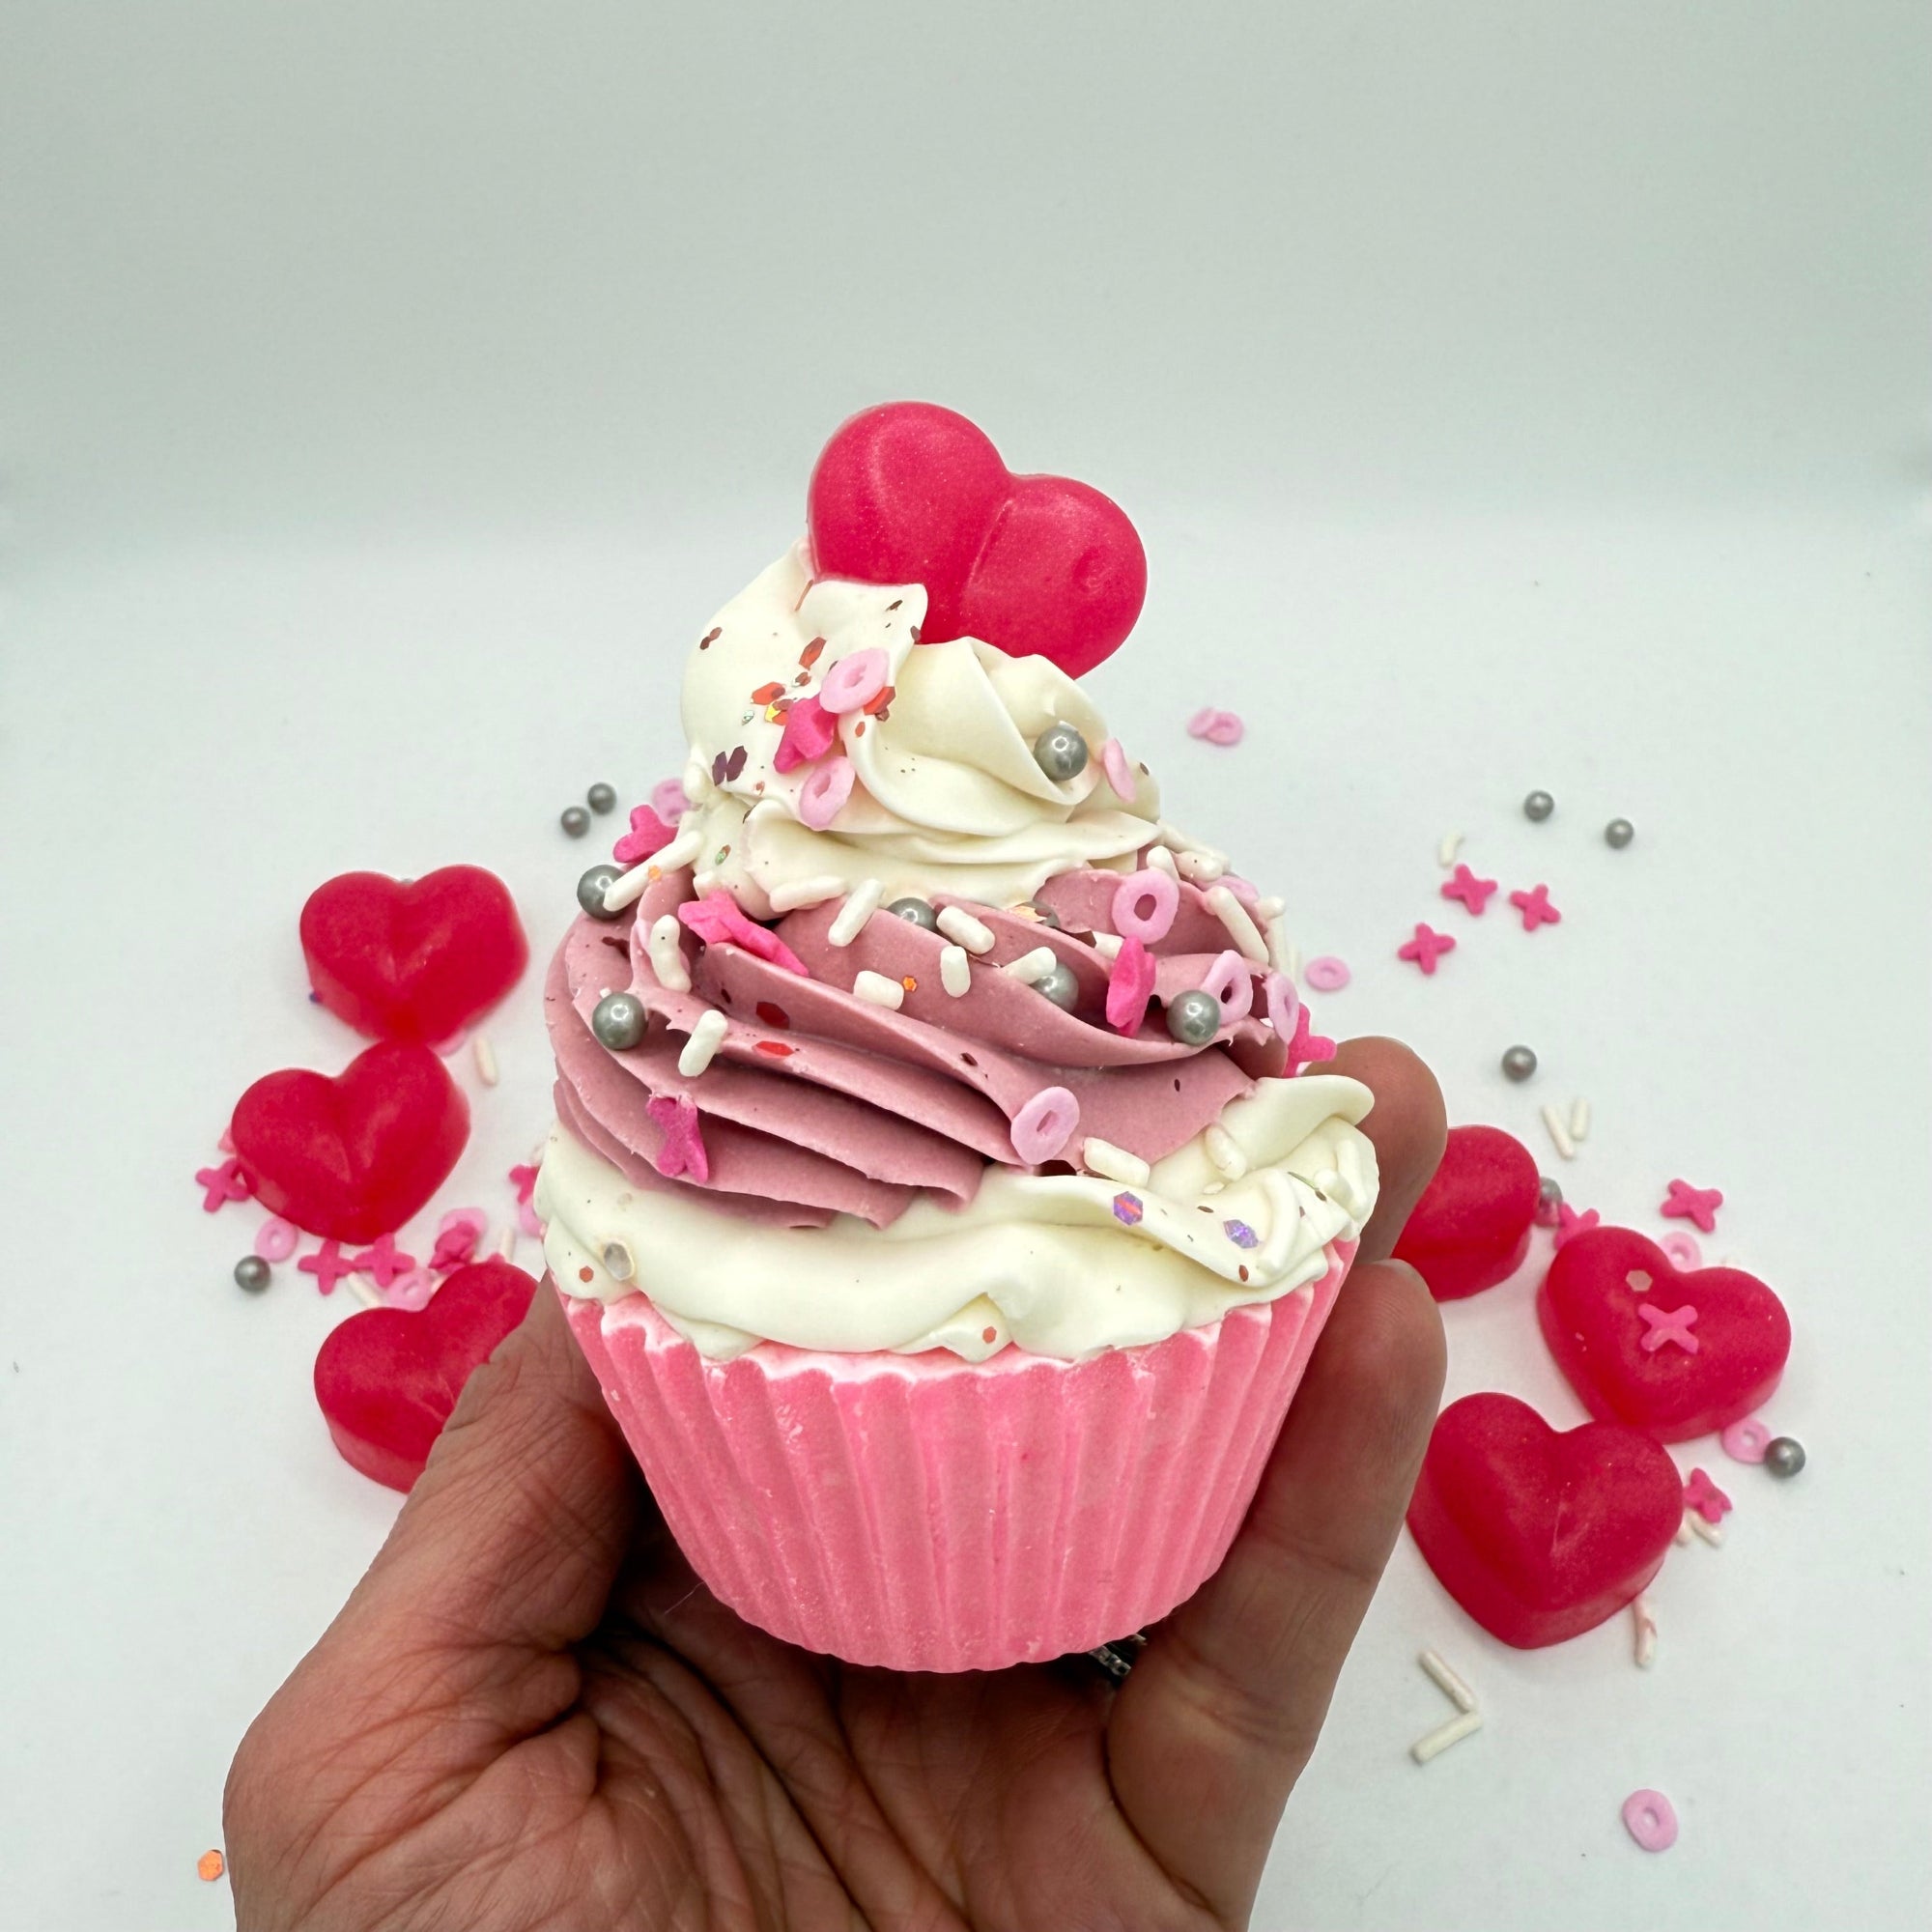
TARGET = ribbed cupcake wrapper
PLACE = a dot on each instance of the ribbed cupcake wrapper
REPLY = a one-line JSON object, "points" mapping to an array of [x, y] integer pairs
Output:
{"points": [[928, 1514]]}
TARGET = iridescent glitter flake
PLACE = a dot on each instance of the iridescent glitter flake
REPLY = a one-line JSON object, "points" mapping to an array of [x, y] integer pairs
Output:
{"points": [[1128, 1209], [1240, 1233]]}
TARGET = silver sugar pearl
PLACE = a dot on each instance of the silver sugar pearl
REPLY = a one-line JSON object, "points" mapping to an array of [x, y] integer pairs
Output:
{"points": [[1518, 1063], [619, 1021], [1194, 1017], [1060, 986], [1784, 1456], [1618, 833], [617, 1261], [915, 912], [592, 888], [1045, 915], [575, 821], [1538, 807], [1061, 751], [251, 1272], [1550, 1191], [600, 797]]}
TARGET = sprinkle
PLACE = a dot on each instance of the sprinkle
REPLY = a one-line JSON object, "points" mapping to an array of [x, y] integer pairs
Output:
{"points": [[1579, 1119], [1708, 1531], [411, 1292], [1286, 954], [1143, 906], [1465, 1723], [879, 991], [717, 919], [1667, 1324], [1217, 728], [1107, 944], [1199, 868], [1120, 773], [683, 1150], [1128, 1209], [1240, 1233], [1284, 1005], [1682, 1533], [959, 925], [669, 802], [1704, 1496], [1445, 852], [1474, 893], [1683, 1249], [667, 955], [1326, 974], [647, 836], [1649, 1819], [1535, 908], [1570, 1223], [524, 1179], [1745, 1441], [855, 680], [1130, 983], [861, 903], [209, 1867], [822, 796], [383, 1259], [486, 1058], [1030, 968], [707, 1035], [1223, 1151], [1685, 1203], [1268, 907], [1045, 1125], [276, 1239], [1426, 948], [1178, 841], [955, 970], [809, 732], [365, 1293], [628, 887], [1447, 1682], [328, 1265], [1644, 1644], [1161, 860], [1113, 1163], [221, 1184], [1559, 1133], [1232, 983], [1242, 928], [506, 1243], [802, 892]]}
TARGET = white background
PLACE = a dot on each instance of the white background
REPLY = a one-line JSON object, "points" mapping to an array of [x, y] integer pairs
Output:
{"points": [[1508, 396]]}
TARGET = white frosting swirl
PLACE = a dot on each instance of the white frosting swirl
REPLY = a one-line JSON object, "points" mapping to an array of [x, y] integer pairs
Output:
{"points": [[947, 797], [1056, 1264]]}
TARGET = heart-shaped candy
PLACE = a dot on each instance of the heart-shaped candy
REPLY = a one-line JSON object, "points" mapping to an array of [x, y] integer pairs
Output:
{"points": [[1539, 1536], [1677, 1353], [388, 1379], [351, 1158], [909, 493], [1470, 1230], [417, 961]]}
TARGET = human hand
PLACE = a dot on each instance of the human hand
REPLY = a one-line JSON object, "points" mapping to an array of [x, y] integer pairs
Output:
{"points": [[531, 1715]]}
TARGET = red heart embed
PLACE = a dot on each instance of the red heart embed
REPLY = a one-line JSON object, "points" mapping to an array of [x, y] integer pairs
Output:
{"points": [[1539, 1536], [387, 1379], [417, 961], [352, 1157], [1470, 1230], [1679, 1353], [910, 492]]}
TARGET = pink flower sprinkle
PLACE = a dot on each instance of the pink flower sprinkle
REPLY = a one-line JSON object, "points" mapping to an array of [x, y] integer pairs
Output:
{"points": [[717, 920], [1045, 1125], [1129, 987], [823, 795], [648, 833], [683, 1149], [809, 732]]}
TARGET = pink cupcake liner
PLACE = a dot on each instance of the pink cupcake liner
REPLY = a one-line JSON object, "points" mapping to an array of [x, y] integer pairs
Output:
{"points": [[922, 1513]]}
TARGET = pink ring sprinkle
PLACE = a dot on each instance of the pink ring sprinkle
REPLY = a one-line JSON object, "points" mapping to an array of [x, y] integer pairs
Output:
{"points": [[1745, 1441], [823, 795], [1682, 1250], [1045, 1125], [1120, 773], [1159, 891], [1231, 979], [412, 1290], [1326, 974], [1284, 1004], [275, 1239], [472, 1218], [1650, 1819], [667, 800], [853, 682]]}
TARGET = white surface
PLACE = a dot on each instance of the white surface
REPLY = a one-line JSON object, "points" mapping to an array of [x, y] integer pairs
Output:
{"points": [[1509, 395]]}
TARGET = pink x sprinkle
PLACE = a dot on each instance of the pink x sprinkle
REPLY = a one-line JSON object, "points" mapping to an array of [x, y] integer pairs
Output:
{"points": [[525, 1181], [809, 732], [1700, 1205], [1535, 908], [329, 1265], [383, 1259], [1474, 893], [1704, 1496], [1570, 1223], [648, 833], [1426, 948], [683, 1149], [1129, 987], [221, 1185], [453, 1248], [1667, 1324], [1307, 1045], [717, 920]]}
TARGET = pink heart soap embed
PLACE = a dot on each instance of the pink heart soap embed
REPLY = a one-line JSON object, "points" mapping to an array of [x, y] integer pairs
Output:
{"points": [[387, 1379], [1470, 1230], [1678, 1352], [1542, 1536], [910, 492]]}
